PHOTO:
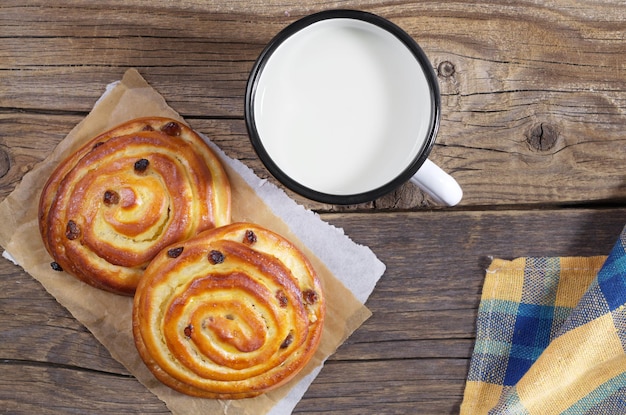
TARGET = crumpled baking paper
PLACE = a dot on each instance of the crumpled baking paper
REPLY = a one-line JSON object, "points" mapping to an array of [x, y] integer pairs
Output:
{"points": [[349, 272]]}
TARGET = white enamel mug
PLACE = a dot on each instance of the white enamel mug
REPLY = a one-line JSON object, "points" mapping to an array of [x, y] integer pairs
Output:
{"points": [[343, 106]]}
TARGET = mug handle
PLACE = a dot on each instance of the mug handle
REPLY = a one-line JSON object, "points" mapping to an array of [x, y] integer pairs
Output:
{"points": [[438, 184]]}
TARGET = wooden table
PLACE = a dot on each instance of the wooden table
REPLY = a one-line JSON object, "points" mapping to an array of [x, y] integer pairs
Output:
{"points": [[534, 114]]}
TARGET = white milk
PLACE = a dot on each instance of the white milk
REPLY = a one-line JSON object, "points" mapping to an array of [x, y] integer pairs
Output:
{"points": [[342, 107]]}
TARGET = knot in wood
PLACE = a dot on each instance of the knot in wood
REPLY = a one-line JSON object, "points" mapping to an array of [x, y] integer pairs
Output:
{"points": [[446, 69], [5, 162], [542, 137]]}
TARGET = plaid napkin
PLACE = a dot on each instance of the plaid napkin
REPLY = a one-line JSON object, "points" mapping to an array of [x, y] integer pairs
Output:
{"points": [[551, 337]]}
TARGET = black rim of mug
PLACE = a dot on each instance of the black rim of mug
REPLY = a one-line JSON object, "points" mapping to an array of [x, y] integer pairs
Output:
{"points": [[285, 179]]}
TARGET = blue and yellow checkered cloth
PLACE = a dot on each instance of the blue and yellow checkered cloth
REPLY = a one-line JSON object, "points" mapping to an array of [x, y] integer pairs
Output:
{"points": [[551, 337]]}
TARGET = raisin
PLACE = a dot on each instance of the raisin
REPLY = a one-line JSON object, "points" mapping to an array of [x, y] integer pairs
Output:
{"points": [[55, 266], [175, 252], [249, 238], [147, 127], [216, 257], [141, 165], [171, 128], [288, 340], [98, 144], [72, 231], [310, 296], [188, 330], [111, 198], [283, 301]]}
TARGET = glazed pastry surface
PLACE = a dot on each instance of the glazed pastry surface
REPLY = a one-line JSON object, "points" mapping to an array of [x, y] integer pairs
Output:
{"points": [[231, 313], [113, 204]]}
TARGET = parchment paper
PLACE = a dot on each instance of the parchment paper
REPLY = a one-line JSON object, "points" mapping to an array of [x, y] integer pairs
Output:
{"points": [[349, 272]]}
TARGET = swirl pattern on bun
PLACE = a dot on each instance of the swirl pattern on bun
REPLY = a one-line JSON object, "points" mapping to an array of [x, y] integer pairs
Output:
{"points": [[117, 201], [231, 313]]}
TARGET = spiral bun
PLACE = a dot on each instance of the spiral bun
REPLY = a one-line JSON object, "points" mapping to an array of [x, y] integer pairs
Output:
{"points": [[231, 313], [117, 201]]}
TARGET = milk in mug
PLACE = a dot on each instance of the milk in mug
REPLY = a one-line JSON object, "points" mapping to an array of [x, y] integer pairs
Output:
{"points": [[342, 107]]}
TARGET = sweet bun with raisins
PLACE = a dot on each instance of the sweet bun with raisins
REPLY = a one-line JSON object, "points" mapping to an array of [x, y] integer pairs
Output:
{"points": [[118, 200], [231, 313]]}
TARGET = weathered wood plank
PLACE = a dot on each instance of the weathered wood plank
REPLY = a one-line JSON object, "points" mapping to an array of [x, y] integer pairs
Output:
{"points": [[38, 330], [424, 384], [26, 389], [423, 323], [420, 247], [522, 56], [532, 95], [587, 171], [533, 112]]}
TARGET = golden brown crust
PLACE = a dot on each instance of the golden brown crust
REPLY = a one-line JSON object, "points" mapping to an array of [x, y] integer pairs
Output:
{"points": [[231, 313], [112, 205]]}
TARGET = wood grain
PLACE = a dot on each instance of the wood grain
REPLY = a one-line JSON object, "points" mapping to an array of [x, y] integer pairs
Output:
{"points": [[533, 95], [414, 350], [533, 114]]}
